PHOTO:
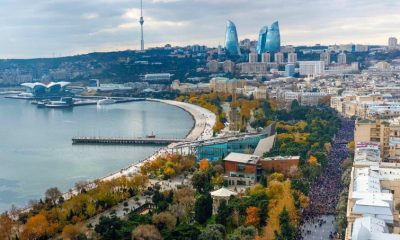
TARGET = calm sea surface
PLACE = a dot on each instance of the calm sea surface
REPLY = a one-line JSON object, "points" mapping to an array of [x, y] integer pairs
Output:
{"points": [[36, 151]]}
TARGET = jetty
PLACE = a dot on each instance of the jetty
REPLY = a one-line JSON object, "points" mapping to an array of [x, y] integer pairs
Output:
{"points": [[125, 141]]}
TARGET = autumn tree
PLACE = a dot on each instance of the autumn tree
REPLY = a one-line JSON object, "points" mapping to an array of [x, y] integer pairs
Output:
{"points": [[351, 146], [38, 227], [7, 226], [280, 194], [146, 232], [183, 204], [204, 164], [253, 216], [72, 232], [312, 160], [277, 177], [164, 220], [217, 180]]}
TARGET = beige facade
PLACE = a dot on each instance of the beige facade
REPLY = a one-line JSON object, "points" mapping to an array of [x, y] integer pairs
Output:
{"points": [[229, 66], [366, 106], [213, 66], [373, 131], [254, 68], [225, 85], [261, 93]]}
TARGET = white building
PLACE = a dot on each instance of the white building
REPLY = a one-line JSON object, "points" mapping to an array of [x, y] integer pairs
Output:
{"points": [[279, 59], [370, 228], [292, 57], [392, 43], [158, 77], [326, 57], [373, 194], [253, 57], [314, 68], [312, 98], [342, 58], [266, 57]]}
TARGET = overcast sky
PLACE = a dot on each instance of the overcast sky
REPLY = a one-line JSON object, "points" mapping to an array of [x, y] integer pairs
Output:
{"points": [[45, 28]]}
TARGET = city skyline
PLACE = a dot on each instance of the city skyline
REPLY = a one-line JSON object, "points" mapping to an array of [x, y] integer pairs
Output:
{"points": [[62, 28]]}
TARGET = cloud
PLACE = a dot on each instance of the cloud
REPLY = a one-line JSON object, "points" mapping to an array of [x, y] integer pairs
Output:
{"points": [[61, 27]]}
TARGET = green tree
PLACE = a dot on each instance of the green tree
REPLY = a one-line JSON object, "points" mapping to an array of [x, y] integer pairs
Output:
{"points": [[213, 232], [287, 230], [182, 232], [223, 213], [201, 181], [109, 227], [203, 208]]}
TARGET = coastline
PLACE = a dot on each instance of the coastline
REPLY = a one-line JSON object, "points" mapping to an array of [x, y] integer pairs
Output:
{"points": [[204, 121]]}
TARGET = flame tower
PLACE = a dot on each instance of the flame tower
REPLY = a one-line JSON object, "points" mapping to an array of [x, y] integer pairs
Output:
{"points": [[141, 26]]}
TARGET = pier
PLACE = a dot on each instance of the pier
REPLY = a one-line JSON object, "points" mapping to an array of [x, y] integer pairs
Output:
{"points": [[125, 141]]}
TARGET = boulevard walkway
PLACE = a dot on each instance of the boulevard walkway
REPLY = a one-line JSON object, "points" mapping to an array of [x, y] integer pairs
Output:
{"points": [[325, 191]]}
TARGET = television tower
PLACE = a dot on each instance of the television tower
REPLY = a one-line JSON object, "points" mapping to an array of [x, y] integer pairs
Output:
{"points": [[141, 25]]}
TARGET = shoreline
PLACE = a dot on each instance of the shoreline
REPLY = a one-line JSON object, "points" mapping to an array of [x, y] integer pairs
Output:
{"points": [[204, 121]]}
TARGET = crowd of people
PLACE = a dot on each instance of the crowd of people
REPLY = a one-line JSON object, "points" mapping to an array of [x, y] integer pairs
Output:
{"points": [[325, 191]]}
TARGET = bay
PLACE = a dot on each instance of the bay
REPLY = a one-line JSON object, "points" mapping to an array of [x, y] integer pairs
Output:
{"points": [[36, 150]]}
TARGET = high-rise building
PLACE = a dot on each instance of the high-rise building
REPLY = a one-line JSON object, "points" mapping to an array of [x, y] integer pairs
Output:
{"points": [[342, 59], [266, 57], [326, 57], [314, 68], [392, 43], [262, 37], [253, 56], [273, 40], [289, 70], [292, 57], [231, 39], [279, 59]]}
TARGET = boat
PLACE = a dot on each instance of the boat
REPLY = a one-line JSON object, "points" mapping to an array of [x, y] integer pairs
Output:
{"points": [[42, 104], [151, 136], [62, 103], [106, 101]]}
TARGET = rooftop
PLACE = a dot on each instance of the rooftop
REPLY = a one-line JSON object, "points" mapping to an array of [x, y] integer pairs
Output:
{"points": [[223, 192], [242, 158], [281, 158]]}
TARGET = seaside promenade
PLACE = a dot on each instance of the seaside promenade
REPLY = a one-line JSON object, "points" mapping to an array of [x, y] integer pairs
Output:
{"points": [[204, 121]]}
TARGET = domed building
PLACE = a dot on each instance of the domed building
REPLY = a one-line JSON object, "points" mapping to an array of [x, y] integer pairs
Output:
{"points": [[53, 89]]}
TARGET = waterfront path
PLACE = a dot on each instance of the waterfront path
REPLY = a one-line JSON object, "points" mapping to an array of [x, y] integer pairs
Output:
{"points": [[325, 191], [203, 118], [204, 121]]}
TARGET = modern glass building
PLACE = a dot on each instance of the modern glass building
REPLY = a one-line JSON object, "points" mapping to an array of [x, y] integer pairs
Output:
{"points": [[273, 40], [218, 150], [231, 39], [290, 70], [262, 37]]}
